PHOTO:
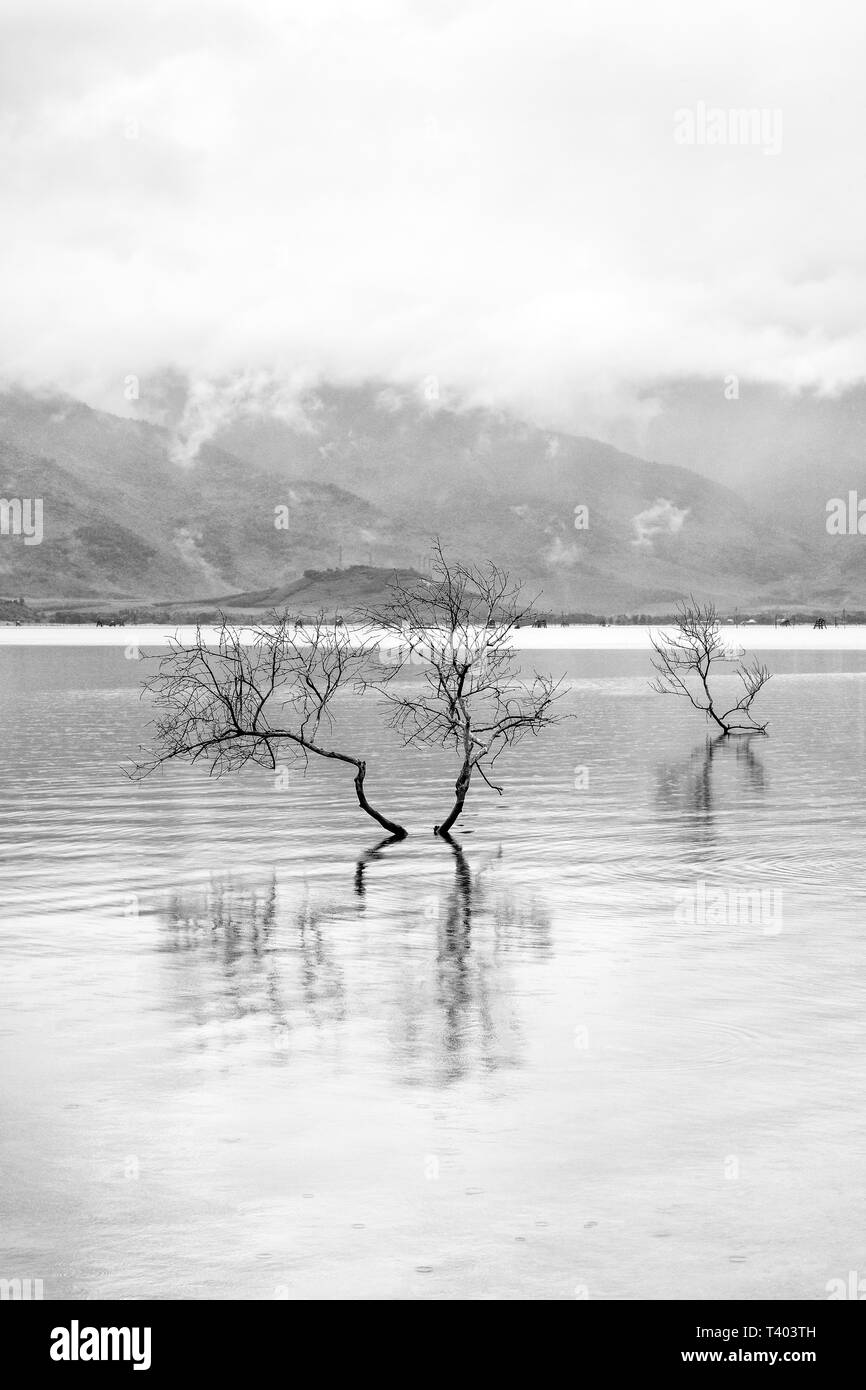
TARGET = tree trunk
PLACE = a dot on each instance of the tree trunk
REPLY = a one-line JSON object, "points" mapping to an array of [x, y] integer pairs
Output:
{"points": [[386, 824], [711, 709], [461, 787]]}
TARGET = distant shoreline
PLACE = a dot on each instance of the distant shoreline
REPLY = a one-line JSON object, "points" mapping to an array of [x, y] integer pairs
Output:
{"points": [[584, 636]]}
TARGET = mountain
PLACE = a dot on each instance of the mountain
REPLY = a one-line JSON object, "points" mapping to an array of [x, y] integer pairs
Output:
{"points": [[493, 486], [330, 591], [785, 452], [366, 480], [123, 521]]}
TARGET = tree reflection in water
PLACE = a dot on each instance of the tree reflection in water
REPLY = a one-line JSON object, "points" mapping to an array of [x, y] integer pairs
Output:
{"points": [[302, 965], [693, 785]]}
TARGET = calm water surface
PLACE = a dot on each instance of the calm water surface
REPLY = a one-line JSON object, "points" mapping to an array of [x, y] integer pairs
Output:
{"points": [[248, 1051]]}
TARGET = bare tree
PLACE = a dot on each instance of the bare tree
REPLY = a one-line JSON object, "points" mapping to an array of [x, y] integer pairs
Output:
{"points": [[458, 626], [240, 702], [684, 662]]}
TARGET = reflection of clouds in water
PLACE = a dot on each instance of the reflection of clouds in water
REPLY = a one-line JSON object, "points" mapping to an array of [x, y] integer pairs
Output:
{"points": [[292, 966]]}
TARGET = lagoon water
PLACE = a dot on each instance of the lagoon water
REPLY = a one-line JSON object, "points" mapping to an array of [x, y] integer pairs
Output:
{"points": [[248, 1051]]}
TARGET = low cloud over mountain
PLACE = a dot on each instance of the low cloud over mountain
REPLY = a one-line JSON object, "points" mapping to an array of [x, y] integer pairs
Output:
{"points": [[367, 476]]}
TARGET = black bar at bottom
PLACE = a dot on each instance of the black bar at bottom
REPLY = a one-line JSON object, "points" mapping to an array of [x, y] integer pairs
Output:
{"points": [[230, 1338]]}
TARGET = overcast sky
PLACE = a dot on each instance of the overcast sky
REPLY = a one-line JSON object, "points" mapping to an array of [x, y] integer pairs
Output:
{"points": [[260, 194]]}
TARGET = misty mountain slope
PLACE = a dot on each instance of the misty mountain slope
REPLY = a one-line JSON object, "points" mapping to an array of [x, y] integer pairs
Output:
{"points": [[788, 452], [369, 480], [123, 520], [84, 550], [492, 486]]}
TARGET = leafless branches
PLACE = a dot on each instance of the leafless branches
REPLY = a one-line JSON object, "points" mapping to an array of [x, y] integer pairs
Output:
{"points": [[251, 695], [683, 664], [458, 625]]}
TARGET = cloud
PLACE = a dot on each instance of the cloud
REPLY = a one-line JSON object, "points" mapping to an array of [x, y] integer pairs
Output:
{"points": [[210, 405], [559, 555], [487, 196], [663, 518]]}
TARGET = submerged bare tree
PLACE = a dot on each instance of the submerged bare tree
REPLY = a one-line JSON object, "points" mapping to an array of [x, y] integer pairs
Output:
{"points": [[457, 626], [684, 661], [240, 702]]}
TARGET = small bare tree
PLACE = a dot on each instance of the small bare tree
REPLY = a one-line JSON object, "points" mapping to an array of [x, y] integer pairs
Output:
{"points": [[458, 626], [239, 702], [684, 660]]}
